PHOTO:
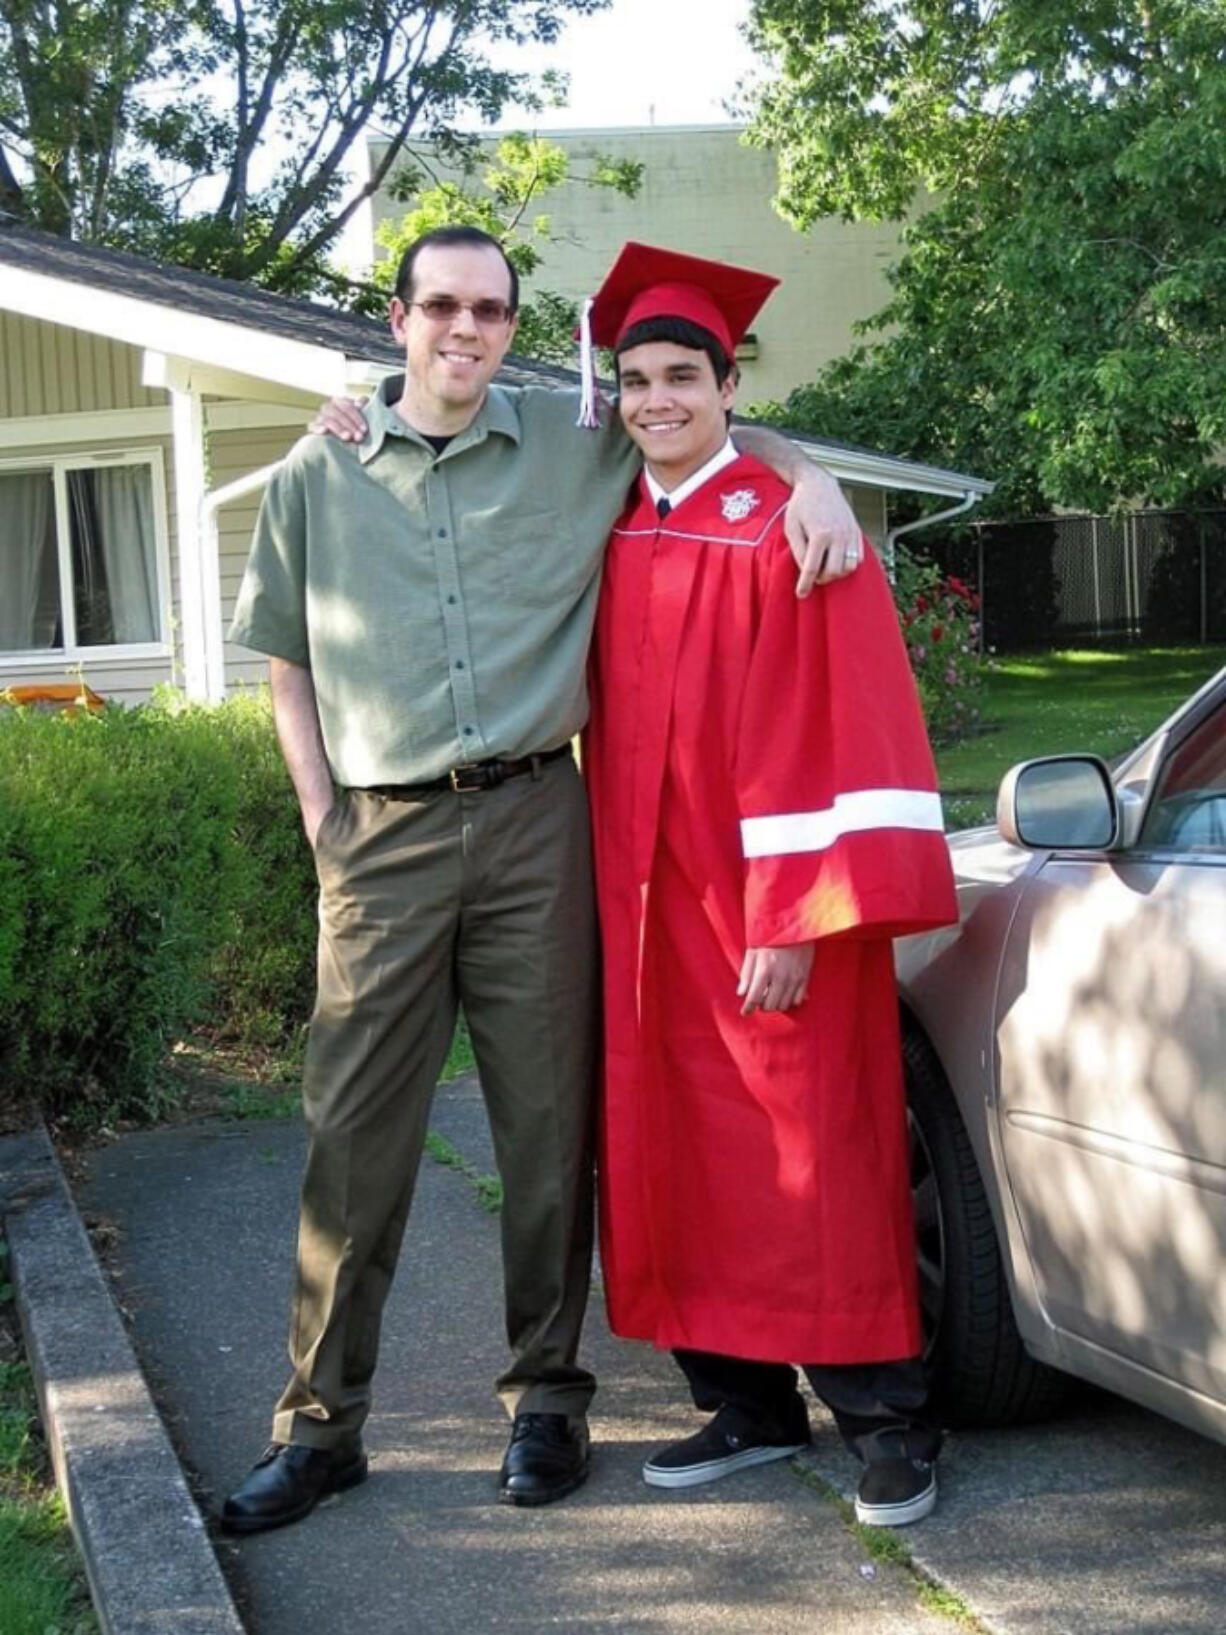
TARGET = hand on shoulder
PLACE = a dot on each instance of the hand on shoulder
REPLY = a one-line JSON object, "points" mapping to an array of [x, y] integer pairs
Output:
{"points": [[343, 418]]}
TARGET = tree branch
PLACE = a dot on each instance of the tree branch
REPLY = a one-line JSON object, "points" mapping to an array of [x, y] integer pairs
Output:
{"points": [[12, 194], [280, 53], [302, 198]]}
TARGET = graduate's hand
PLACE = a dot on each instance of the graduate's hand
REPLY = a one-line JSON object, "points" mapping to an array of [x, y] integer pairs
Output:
{"points": [[775, 979], [341, 417], [822, 530]]}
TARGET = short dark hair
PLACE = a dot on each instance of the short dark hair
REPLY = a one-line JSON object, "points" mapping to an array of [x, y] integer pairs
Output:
{"points": [[680, 332], [472, 238]]}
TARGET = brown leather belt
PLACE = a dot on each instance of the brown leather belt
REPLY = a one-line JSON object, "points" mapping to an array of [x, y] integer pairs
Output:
{"points": [[466, 780]]}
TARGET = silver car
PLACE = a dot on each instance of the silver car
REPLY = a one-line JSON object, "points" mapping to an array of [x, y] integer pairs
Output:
{"points": [[1066, 1061]]}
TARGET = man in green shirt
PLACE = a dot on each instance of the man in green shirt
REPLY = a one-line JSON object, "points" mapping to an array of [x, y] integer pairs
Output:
{"points": [[426, 599]]}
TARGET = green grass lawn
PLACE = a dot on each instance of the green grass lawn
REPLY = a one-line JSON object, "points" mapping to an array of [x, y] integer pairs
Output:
{"points": [[460, 1058], [1047, 703], [42, 1584]]}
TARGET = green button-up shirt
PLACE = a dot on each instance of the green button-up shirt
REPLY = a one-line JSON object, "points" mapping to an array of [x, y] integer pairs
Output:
{"points": [[444, 604]]}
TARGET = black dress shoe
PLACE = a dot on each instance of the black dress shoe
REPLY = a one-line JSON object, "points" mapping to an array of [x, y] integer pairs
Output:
{"points": [[546, 1459], [287, 1482]]}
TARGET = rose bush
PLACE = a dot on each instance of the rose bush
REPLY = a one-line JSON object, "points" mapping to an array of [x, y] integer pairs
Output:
{"points": [[940, 623]]}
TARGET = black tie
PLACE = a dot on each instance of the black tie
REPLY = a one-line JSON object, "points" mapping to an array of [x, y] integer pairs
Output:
{"points": [[663, 507]]}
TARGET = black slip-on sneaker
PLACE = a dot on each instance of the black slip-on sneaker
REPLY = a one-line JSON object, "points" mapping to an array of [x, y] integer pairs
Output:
{"points": [[724, 1445]]}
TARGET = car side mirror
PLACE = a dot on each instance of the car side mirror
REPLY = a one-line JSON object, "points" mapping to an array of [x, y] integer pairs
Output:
{"points": [[1061, 802]]}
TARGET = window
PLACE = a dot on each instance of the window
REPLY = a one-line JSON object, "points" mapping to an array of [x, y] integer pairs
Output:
{"points": [[83, 562], [1188, 812]]}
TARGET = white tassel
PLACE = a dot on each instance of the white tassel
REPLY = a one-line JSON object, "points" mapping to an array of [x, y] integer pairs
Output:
{"points": [[589, 402]]}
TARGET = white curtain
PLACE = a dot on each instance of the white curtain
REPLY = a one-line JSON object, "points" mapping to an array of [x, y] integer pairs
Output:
{"points": [[116, 553], [125, 510], [29, 612]]}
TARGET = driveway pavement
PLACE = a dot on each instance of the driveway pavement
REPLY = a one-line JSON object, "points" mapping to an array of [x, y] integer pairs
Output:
{"points": [[1109, 1521]]}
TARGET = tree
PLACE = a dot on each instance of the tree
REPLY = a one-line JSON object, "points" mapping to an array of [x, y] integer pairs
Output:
{"points": [[497, 197], [214, 133], [1057, 318]]}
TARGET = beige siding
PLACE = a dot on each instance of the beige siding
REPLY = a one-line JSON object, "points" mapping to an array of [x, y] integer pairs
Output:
{"points": [[50, 369], [231, 455], [869, 504], [128, 681], [706, 193]]}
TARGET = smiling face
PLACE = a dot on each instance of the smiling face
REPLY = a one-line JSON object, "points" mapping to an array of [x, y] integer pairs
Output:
{"points": [[673, 407], [450, 362]]}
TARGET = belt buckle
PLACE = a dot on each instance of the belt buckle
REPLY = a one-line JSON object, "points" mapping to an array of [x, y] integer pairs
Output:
{"points": [[467, 780]]}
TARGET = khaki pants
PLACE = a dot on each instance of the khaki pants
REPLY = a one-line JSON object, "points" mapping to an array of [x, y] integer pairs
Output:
{"points": [[481, 899]]}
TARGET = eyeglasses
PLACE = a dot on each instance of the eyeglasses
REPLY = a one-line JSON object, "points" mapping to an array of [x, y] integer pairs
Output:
{"points": [[442, 309]]}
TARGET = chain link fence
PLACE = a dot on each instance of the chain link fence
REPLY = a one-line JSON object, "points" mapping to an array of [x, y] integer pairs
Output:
{"points": [[1145, 577]]}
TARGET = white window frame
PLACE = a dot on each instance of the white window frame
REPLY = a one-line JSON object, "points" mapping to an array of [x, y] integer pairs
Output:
{"points": [[57, 466]]}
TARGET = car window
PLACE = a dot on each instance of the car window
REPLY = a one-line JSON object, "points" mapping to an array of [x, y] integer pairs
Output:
{"points": [[1188, 811]]}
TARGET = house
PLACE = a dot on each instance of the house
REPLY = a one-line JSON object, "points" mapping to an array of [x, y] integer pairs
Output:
{"points": [[142, 408], [707, 193]]}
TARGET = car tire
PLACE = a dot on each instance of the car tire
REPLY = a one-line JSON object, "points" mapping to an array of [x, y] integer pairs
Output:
{"points": [[980, 1371]]}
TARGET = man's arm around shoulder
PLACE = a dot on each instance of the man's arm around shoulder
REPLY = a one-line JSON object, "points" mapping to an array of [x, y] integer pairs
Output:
{"points": [[821, 527]]}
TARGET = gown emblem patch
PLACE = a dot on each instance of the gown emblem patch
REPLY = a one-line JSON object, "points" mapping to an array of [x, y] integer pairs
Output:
{"points": [[737, 506]]}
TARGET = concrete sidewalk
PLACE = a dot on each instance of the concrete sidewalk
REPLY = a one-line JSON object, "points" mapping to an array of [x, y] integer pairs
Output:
{"points": [[1114, 1521]]}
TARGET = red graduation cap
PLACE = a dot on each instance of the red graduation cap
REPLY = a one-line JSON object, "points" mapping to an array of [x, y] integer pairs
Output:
{"points": [[646, 282]]}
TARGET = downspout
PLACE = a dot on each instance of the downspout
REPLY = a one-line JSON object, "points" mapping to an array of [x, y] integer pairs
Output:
{"points": [[210, 573], [967, 503], [187, 431]]}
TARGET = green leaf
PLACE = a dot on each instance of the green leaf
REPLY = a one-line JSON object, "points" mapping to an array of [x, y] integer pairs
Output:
{"points": [[1055, 316], [169, 128]]}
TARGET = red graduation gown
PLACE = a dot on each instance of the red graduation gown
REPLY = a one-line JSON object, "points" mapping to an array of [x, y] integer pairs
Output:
{"points": [[759, 775]]}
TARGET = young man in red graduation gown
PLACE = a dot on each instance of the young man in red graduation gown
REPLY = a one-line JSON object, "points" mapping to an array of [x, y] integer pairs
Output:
{"points": [[766, 820]]}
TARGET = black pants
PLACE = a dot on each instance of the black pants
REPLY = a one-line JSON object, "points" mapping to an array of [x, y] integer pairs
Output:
{"points": [[878, 1407]]}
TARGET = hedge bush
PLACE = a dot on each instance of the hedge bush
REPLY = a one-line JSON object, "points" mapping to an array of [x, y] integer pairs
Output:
{"points": [[118, 878], [153, 877], [265, 966]]}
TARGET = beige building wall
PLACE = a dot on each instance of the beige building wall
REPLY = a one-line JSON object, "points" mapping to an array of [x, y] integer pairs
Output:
{"points": [[872, 511], [706, 193], [51, 369], [233, 454], [65, 392]]}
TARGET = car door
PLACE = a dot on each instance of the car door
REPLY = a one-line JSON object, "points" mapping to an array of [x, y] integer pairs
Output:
{"points": [[1111, 1075]]}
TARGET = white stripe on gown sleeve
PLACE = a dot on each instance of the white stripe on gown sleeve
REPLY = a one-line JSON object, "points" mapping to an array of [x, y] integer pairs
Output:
{"points": [[785, 833]]}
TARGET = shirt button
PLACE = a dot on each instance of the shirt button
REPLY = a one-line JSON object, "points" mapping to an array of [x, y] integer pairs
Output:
{"points": [[451, 601], [468, 732], [442, 533], [459, 664]]}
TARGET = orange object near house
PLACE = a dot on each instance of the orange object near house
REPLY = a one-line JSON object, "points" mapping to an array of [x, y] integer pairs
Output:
{"points": [[54, 696]]}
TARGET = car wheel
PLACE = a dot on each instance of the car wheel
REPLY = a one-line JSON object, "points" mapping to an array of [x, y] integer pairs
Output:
{"points": [[980, 1370]]}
